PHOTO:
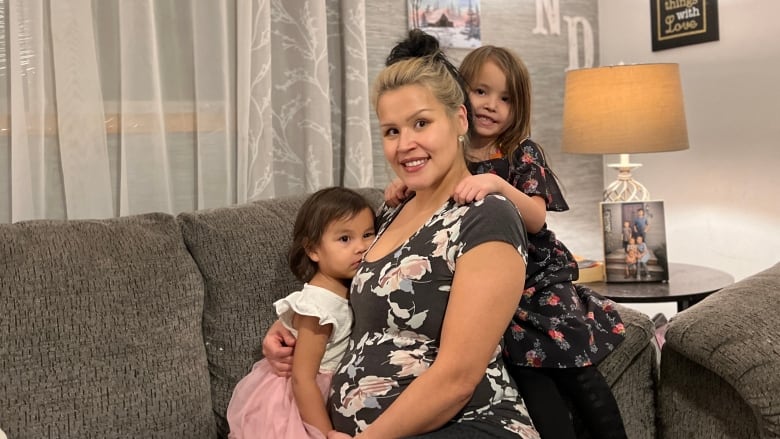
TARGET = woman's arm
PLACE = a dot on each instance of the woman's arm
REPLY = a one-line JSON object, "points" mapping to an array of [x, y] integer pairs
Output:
{"points": [[310, 347], [278, 345], [476, 187], [485, 292]]}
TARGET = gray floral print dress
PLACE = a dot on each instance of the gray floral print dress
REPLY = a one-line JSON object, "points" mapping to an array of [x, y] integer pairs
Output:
{"points": [[399, 303], [558, 324]]}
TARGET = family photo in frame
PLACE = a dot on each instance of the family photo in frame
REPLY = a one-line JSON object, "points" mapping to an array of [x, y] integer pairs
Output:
{"points": [[634, 241]]}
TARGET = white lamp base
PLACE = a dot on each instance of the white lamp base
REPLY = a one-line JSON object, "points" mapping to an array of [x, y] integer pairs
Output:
{"points": [[625, 188]]}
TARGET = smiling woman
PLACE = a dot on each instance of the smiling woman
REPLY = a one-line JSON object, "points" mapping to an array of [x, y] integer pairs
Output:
{"points": [[436, 290], [422, 140]]}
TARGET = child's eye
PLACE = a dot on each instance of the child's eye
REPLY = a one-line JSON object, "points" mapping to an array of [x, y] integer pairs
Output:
{"points": [[479, 91], [421, 123], [344, 238], [368, 234], [505, 98]]}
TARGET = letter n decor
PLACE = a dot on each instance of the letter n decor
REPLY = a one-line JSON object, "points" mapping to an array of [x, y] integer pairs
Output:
{"points": [[678, 23]]}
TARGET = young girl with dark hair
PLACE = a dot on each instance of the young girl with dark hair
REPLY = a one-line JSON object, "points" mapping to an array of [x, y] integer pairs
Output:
{"points": [[333, 229]]}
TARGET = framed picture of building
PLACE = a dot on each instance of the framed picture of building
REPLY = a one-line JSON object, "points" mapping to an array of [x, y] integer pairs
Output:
{"points": [[634, 241], [454, 23]]}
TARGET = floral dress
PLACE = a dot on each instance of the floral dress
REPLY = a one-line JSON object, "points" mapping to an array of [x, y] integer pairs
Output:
{"points": [[399, 303], [558, 324]]}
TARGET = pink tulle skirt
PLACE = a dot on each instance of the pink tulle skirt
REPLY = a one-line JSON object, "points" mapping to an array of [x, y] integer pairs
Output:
{"points": [[263, 407]]}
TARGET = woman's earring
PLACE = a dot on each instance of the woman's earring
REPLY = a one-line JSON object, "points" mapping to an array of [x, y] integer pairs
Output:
{"points": [[461, 139]]}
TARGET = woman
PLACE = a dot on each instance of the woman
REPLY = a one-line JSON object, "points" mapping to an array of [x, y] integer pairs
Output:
{"points": [[437, 288]]}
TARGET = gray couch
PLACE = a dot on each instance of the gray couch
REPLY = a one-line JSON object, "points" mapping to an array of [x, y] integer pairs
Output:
{"points": [[139, 327], [720, 364]]}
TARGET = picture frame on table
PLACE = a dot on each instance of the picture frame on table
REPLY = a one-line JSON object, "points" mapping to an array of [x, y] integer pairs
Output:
{"points": [[634, 241]]}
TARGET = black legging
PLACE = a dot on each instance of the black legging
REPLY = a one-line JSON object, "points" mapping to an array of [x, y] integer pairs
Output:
{"points": [[545, 390], [467, 430]]}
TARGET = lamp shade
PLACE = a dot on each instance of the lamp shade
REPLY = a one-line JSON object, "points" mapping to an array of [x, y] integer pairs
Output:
{"points": [[624, 109]]}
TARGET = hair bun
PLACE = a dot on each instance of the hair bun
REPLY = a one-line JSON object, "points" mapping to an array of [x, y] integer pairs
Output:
{"points": [[417, 44]]}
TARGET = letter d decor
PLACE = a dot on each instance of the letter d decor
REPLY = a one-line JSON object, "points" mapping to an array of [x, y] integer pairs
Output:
{"points": [[678, 23]]}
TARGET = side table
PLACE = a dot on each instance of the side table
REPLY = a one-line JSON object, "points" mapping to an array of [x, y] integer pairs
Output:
{"points": [[687, 285]]}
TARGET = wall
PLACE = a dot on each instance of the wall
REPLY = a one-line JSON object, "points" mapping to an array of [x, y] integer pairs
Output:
{"points": [[721, 196], [511, 23]]}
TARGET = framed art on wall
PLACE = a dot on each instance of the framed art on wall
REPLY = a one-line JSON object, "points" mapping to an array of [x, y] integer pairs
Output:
{"points": [[678, 23], [634, 241], [454, 24]]}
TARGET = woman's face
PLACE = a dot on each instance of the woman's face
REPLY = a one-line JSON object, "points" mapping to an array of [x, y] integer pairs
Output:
{"points": [[419, 137]]}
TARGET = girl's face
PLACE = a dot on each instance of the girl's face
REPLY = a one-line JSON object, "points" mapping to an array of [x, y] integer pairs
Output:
{"points": [[339, 252], [420, 139], [491, 101]]}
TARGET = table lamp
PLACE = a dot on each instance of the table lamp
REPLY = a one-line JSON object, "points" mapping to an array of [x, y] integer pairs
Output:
{"points": [[624, 109]]}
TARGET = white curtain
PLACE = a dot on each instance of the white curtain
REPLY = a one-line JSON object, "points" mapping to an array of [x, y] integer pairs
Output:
{"points": [[118, 107]]}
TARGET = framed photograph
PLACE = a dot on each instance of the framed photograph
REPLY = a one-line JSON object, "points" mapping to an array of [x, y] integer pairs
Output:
{"points": [[634, 241], [678, 23], [454, 23]]}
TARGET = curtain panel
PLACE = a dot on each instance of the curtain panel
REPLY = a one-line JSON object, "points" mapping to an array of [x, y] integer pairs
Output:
{"points": [[118, 107]]}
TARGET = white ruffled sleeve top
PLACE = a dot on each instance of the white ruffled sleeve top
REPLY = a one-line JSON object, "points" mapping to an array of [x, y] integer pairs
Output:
{"points": [[330, 308]]}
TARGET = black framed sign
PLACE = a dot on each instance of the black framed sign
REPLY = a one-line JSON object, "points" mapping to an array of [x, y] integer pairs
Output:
{"points": [[678, 23]]}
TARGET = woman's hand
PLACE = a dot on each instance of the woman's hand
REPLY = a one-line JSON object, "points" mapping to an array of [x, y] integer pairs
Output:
{"points": [[278, 346], [396, 192]]}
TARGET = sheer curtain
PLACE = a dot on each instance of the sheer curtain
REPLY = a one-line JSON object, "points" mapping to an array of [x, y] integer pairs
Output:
{"points": [[117, 107]]}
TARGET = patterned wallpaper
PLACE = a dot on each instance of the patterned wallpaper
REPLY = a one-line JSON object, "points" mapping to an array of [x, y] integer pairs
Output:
{"points": [[546, 52]]}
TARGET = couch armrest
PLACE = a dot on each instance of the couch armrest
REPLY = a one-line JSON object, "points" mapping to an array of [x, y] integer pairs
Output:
{"points": [[735, 335]]}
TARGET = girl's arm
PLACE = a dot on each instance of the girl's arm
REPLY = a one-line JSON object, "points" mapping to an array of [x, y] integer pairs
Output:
{"points": [[395, 192], [472, 329], [309, 349], [476, 187]]}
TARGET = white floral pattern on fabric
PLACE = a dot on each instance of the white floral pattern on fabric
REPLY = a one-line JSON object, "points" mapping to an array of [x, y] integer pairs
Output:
{"points": [[558, 324], [399, 303]]}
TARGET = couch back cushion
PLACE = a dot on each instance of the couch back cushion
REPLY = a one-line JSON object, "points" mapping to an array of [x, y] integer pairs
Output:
{"points": [[242, 254], [100, 334]]}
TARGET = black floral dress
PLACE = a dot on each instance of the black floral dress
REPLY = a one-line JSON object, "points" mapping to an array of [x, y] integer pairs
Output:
{"points": [[558, 324], [399, 303]]}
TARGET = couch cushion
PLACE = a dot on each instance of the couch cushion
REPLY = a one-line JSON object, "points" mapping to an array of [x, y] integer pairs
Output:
{"points": [[726, 345], [242, 254], [100, 335], [632, 372]]}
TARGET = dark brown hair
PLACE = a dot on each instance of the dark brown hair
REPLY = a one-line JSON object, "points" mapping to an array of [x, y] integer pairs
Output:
{"points": [[317, 212]]}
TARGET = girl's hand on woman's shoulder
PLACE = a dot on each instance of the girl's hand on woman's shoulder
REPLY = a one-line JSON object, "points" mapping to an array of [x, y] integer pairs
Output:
{"points": [[477, 187], [396, 192]]}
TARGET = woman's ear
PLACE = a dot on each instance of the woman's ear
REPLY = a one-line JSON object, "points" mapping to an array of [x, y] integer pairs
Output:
{"points": [[462, 120]]}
